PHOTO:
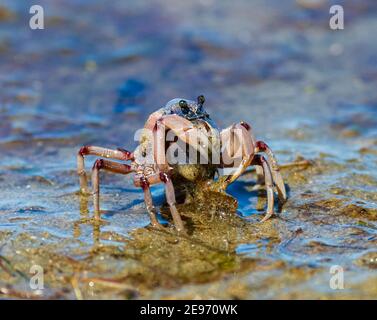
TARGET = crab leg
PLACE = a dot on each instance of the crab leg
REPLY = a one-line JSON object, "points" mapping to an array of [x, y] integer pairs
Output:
{"points": [[170, 199], [144, 184], [261, 161], [111, 166], [260, 146], [119, 154], [170, 196]]}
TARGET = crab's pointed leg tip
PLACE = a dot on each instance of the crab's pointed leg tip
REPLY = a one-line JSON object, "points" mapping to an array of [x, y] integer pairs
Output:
{"points": [[266, 217]]}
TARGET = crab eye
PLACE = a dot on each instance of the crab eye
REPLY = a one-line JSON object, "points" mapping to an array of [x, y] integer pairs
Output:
{"points": [[184, 106], [201, 100]]}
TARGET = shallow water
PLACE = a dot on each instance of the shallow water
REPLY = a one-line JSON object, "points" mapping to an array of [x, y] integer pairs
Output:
{"points": [[93, 76]]}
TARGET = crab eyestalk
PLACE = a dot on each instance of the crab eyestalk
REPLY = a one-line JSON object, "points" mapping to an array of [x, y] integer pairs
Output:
{"points": [[201, 100]]}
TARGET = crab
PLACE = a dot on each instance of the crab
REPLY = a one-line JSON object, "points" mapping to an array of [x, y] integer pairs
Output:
{"points": [[185, 118]]}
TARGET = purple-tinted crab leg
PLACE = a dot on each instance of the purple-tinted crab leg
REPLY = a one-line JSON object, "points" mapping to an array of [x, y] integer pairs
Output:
{"points": [[263, 147], [111, 166], [170, 199], [149, 201], [170, 195], [261, 161], [119, 154]]}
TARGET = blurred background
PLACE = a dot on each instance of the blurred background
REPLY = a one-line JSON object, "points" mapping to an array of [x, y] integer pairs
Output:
{"points": [[98, 69]]}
